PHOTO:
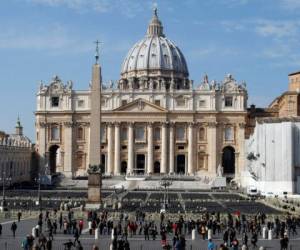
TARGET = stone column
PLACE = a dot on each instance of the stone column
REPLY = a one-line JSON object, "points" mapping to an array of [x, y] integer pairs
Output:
{"points": [[117, 169], [191, 149], [241, 142], [42, 144], [172, 149], [164, 151], [150, 149], [68, 152], [130, 149], [212, 148], [110, 152]]}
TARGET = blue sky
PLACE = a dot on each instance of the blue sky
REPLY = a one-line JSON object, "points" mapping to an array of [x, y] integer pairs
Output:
{"points": [[255, 40]]}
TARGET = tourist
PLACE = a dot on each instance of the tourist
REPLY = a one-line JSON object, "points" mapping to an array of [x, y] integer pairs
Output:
{"points": [[146, 231], [76, 236], [79, 246], [95, 247], [254, 240], [66, 226], [210, 245], [81, 223], [60, 221], [49, 244], [126, 245], [284, 242], [19, 216], [235, 244], [14, 228], [245, 239]]}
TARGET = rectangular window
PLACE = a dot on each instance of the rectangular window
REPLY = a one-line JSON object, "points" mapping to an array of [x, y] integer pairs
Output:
{"points": [[157, 134], [80, 104], [103, 134], [228, 101], [124, 134], [157, 102], [55, 133], [180, 136], [139, 133], [228, 134], [201, 134], [80, 135], [180, 102], [54, 101], [124, 102], [202, 103]]}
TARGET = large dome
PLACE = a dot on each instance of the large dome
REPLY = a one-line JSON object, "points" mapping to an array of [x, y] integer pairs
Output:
{"points": [[154, 55]]}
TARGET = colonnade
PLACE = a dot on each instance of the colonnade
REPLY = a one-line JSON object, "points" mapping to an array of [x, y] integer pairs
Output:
{"points": [[168, 144]]}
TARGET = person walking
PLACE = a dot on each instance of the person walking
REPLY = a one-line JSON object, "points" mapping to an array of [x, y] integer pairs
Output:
{"points": [[19, 216], [14, 228], [0, 229], [76, 236]]}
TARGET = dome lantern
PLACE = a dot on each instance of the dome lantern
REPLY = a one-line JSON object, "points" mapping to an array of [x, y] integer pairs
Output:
{"points": [[155, 27]]}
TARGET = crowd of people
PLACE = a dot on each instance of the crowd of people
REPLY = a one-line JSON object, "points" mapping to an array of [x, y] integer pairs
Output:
{"points": [[234, 230]]}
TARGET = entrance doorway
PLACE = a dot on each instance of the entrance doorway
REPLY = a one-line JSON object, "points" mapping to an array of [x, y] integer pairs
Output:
{"points": [[123, 167], [156, 167], [180, 163], [228, 160], [54, 158], [140, 164]]}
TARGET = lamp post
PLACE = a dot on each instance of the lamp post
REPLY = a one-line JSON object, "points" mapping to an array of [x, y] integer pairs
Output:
{"points": [[165, 183], [39, 201]]}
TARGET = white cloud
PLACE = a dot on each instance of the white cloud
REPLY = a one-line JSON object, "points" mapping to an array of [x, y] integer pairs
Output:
{"points": [[290, 4], [278, 29], [232, 26], [53, 38], [234, 3], [128, 8], [264, 27]]}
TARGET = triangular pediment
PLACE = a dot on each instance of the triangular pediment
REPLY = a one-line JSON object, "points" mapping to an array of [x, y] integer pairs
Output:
{"points": [[140, 105]]}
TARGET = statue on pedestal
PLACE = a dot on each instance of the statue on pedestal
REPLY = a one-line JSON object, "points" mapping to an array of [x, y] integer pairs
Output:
{"points": [[220, 171]]}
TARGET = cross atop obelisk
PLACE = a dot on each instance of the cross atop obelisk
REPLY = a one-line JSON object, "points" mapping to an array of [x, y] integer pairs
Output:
{"points": [[97, 42]]}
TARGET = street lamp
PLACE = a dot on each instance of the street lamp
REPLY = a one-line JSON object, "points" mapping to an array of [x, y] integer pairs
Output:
{"points": [[165, 183], [39, 201]]}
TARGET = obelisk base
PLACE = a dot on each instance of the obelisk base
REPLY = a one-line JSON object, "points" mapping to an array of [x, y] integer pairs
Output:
{"points": [[94, 191]]}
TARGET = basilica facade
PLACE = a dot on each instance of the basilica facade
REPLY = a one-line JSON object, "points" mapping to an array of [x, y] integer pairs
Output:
{"points": [[154, 120]]}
